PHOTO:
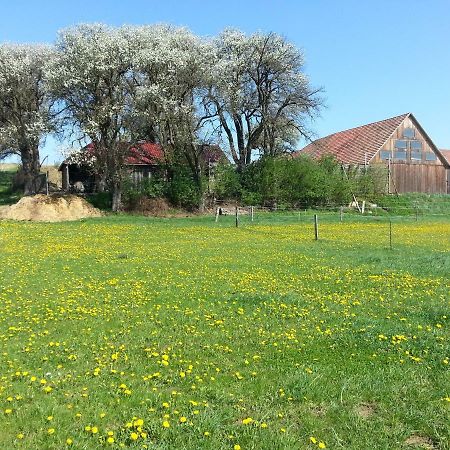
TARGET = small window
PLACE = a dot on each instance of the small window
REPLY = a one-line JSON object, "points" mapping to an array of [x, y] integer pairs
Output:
{"points": [[431, 157], [385, 154], [401, 144], [400, 155], [408, 133], [416, 145], [416, 156]]}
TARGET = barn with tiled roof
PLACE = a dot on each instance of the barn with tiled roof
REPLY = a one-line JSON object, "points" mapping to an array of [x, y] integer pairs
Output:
{"points": [[413, 163]]}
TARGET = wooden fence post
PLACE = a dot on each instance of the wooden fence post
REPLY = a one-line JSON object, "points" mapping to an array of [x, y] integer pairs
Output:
{"points": [[217, 214], [252, 213], [390, 234], [237, 216], [341, 213], [316, 227]]}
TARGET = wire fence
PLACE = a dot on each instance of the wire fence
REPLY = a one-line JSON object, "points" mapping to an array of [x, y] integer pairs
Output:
{"points": [[372, 212], [381, 226]]}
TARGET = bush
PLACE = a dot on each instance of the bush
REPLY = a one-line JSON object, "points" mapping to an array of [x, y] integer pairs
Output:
{"points": [[227, 183], [297, 182], [182, 190], [101, 200]]}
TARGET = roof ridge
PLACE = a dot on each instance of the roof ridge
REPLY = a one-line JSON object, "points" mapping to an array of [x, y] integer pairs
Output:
{"points": [[364, 125]]}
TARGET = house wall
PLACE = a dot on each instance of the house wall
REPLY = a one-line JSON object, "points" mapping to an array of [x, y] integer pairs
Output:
{"points": [[413, 171], [139, 173]]}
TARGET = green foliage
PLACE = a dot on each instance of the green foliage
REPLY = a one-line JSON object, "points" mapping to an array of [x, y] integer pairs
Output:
{"points": [[226, 181], [294, 182], [7, 193], [101, 200], [370, 182], [182, 190], [154, 187], [297, 182]]}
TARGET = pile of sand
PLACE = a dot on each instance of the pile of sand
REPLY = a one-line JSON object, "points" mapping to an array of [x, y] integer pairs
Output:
{"points": [[49, 208]]}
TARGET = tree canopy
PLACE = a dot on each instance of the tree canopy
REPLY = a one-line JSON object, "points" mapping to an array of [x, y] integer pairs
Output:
{"points": [[116, 85]]}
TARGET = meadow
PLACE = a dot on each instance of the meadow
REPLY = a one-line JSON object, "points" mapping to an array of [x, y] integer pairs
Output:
{"points": [[128, 332]]}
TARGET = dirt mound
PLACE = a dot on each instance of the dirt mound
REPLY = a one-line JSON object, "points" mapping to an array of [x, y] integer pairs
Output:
{"points": [[51, 208], [158, 207]]}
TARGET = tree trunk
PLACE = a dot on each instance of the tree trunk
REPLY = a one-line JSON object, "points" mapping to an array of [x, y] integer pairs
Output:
{"points": [[117, 198], [199, 182], [201, 203], [31, 168]]}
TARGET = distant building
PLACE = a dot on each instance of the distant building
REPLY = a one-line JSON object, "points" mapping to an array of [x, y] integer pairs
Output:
{"points": [[413, 162], [144, 160]]}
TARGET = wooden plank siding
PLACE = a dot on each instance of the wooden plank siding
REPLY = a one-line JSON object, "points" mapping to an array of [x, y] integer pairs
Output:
{"points": [[138, 173], [427, 178]]}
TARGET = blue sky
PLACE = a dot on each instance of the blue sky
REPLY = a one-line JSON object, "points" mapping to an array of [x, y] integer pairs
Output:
{"points": [[374, 59]]}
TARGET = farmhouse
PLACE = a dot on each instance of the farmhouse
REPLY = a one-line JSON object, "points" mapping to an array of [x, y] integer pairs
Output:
{"points": [[412, 161], [144, 160]]}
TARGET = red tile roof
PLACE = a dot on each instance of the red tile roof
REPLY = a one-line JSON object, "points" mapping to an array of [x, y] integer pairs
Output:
{"points": [[357, 145], [446, 154], [143, 153], [146, 153]]}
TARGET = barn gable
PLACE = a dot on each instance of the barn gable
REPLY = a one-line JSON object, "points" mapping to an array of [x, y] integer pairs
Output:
{"points": [[400, 143]]}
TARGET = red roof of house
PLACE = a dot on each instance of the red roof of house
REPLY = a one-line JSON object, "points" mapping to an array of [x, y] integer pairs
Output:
{"points": [[143, 153], [357, 145], [149, 153], [446, 154], [146, 153]]}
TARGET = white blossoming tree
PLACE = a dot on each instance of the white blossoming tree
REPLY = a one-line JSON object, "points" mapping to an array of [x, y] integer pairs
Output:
{"points": [[93, 80], [25, 106], [173, 66], [260, 94]]}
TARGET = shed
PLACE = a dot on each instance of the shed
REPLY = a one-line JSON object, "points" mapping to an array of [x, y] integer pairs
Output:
{"points": [[143, 160]]}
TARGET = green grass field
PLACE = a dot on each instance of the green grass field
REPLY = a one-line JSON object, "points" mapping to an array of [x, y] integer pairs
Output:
{"points": [[127, 332]]}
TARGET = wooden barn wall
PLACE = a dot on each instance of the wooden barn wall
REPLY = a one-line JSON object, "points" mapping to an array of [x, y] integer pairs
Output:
{"points": [[428, 178]]}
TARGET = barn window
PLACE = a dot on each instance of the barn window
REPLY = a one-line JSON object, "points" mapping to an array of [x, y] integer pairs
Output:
{"points": [[408, 133], [416, 156], [416, 145], [400, 155], [431, 157], [385, 154], [401, 144]]}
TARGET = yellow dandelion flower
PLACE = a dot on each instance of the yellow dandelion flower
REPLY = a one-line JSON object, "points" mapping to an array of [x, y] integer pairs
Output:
{"points": [[166, 424]]}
